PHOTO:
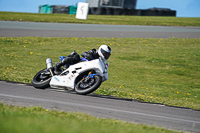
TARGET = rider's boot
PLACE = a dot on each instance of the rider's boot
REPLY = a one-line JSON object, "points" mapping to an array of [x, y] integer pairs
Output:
{"points": [[57, 68]]}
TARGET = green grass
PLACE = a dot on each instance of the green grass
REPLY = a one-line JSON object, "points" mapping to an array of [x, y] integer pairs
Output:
{"points": [[101, 19], [152, 70], [39, 120]]}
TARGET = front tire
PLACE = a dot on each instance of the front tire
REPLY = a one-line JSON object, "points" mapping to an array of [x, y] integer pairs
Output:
{"points": [[41, 82], [84, 88]]}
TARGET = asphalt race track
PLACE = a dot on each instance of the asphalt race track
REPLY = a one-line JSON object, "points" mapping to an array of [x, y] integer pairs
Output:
{"points": [[101, 106], [18, 29]]}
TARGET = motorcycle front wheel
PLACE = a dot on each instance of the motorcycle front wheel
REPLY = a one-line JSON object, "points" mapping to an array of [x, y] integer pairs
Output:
{"points": [[88, 85], [42, 79]]}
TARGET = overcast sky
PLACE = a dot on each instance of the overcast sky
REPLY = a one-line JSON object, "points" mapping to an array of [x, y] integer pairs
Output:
{"points": [[184, 8]]}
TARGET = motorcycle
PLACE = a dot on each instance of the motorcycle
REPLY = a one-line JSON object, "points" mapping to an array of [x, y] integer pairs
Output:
{"points": [[83, 77]]}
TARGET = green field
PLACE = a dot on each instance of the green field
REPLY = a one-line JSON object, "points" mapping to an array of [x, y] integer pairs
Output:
{"points": [[151, 70], [39, 120], [100, 19]]}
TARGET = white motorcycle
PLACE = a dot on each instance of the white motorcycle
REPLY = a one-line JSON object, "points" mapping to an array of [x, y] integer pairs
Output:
{"points": [[83, 77]]}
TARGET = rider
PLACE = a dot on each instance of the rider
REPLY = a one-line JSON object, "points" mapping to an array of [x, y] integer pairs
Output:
{"points": [[103, 51]]}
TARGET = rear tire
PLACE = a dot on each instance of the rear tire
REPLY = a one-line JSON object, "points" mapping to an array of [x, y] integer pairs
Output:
{"points": [[39, 83], [84, 91]]}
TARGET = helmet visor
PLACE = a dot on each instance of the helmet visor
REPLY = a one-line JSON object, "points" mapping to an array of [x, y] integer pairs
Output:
{"points": [[105, 54]]}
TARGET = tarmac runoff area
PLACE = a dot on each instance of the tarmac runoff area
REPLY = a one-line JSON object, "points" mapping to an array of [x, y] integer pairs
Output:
{"points": [[38, 29]]}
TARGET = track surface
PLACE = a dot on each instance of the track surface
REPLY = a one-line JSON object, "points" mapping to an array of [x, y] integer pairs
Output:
{"points": [[18, 29], [102, 106]]}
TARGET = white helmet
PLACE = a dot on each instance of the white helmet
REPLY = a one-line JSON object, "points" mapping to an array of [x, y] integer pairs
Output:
{"points": [[104, 51]]}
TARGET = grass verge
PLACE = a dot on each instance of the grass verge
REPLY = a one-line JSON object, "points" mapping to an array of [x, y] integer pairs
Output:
{"points": [[152, 70], [36, 120], [100, 19]]}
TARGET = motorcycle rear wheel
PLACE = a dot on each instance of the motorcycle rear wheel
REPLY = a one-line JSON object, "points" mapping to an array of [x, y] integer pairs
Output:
{"points": [[43, 83], [84, 88]]}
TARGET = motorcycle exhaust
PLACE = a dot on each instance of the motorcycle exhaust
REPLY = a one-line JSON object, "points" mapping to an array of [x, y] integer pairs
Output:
{"points": [[49, 65]]}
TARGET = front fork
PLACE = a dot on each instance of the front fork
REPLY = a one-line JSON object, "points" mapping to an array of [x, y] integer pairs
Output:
{"points": [[90, 75]]}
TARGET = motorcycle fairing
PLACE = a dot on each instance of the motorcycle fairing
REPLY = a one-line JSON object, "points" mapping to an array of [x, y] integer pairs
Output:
{"points": [[68, 81]]}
